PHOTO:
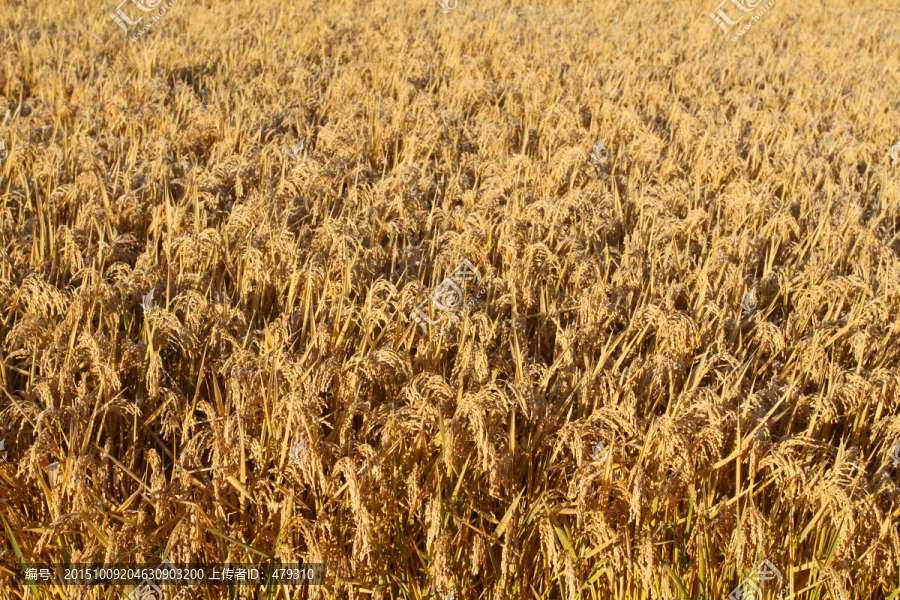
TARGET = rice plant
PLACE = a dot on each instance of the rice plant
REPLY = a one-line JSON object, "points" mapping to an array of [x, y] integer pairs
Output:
{"points": [[214, 348]]}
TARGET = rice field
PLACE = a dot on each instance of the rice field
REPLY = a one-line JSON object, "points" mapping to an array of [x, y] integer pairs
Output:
{"points": [[495, 300]]}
